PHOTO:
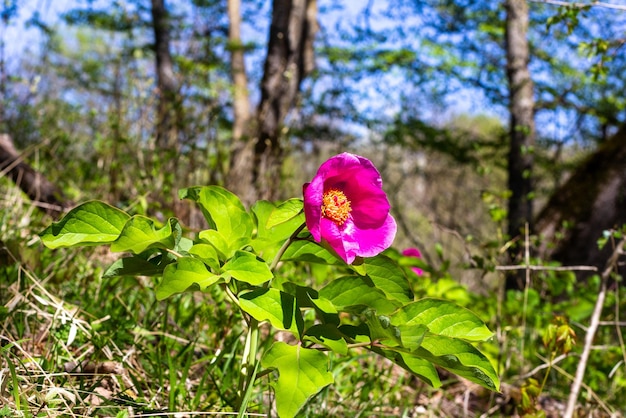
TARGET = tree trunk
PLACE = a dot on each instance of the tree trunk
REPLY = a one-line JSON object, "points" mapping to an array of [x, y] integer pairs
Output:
{"points": [[522, 124], [289, 59], [168, 105], [44, 194], [591, 201], [239, 179]]}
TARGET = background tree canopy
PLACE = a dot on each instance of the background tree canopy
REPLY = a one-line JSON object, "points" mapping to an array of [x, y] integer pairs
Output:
{"points": [[498, 128]]}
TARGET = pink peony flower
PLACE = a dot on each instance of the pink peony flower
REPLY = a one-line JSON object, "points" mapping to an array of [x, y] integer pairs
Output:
{"points": [[413, 252], [346, 207]]}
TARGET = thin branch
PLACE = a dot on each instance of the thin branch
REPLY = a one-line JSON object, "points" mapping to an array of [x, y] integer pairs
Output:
{"points": [[581, 5], [591, 331], [593, 394], [547, 268]]}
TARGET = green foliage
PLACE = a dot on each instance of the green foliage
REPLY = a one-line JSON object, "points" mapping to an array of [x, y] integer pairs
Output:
{"points": [[302, 373], [382, 315]]}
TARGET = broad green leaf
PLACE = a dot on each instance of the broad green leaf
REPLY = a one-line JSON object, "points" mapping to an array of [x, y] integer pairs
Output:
{"points": [[302, 373], [389, 277], [381, 329], [206, 253], [248, 268], [183, 245], [278, 308], [357, 292], [443, 318], [140, 233], [310, 252], [183, 274], [268, 240], [134, 266], [91, 223], [284, 212], [459, 357], [420, 367], [329, 336], [217, 240], [224, 210]]}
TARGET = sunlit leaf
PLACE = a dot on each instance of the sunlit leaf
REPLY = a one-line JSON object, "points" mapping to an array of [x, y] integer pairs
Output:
{"points": [[420, 367], [459, 357], [223, 210], [329, 336], [357, 292], [206, 253], [248, 268], [140, 233], [310, 252], [268, 238], [284, 212], [278, 308], [389, 277], [442, 317], [302, 373], [91, 223], [182, 275]]}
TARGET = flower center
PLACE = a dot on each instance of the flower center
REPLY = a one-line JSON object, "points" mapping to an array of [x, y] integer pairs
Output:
{"points": [[335, 206]]}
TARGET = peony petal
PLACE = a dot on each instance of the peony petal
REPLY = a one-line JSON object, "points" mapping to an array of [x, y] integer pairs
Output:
{"points": [[338, 165], [369, 228], [412, 252], [345, 247], [374, 241], [313, 194]]}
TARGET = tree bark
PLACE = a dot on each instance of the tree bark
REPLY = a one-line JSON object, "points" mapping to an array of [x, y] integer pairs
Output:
{"points": [[43, 193], [522, 124], [591, 201], [168, 105], [289, 60], [239, 179]]}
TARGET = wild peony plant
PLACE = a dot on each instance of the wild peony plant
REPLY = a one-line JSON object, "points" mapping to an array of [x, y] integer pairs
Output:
{"points": [[364, 305]]}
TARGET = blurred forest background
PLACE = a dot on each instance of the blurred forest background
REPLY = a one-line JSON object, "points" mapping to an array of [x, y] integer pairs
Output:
{"points": [[498, 128]]}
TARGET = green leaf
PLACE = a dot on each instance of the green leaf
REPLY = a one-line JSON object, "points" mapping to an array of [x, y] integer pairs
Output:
{"points": [[459, 357], [206, 253], [389, 277], [310, 252], [302, 373], [223, 210], [268, 240], [248, 268], [217, 240], [284, 212], [91, 223], [329, 336], [183, 274], [443, 318], [141, 233], [381, 329], [278, 308], [420, 367], [134, 266], [355, 293]]}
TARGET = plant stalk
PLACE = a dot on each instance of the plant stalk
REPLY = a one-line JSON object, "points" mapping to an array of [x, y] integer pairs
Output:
{"points": [[249, 359]]}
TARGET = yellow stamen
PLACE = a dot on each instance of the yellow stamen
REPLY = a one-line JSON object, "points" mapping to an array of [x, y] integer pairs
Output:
{"points": [[336, 206]]}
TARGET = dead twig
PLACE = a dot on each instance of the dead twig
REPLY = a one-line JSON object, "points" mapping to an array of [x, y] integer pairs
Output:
{"points": [[591, 331]]}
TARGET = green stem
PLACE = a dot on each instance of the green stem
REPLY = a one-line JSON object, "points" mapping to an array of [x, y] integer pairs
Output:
{"points": [[545, 378], [284, 247], [249, 358], [248, 362]]}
